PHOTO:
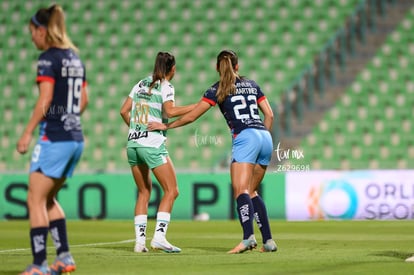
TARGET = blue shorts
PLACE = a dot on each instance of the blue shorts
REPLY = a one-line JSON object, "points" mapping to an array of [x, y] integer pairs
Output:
{"points": [[56, 159], [253, 146]]}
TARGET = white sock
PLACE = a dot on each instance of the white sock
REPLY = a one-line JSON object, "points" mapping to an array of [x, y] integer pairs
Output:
{"points": [[163, 219], [140, 229]]}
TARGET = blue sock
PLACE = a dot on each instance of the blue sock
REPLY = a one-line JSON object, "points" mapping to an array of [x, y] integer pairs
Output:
{"points": [[245, 211], [262, 220], [38, 238], [59, 236]]}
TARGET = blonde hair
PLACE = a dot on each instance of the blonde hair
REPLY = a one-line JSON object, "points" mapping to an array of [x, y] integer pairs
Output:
{"points": [[226, 66], [53, 19]]}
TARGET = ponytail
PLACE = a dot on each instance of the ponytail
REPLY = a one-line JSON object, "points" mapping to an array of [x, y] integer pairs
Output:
{"points": [[226, 64], [164, 63]]}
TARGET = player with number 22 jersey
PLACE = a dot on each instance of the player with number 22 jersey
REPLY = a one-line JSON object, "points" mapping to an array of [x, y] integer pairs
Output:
{"points": [[234, 107]]}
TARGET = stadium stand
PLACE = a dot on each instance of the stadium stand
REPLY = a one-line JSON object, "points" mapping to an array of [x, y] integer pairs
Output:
{"points": [[279, 43], [370, 126]]}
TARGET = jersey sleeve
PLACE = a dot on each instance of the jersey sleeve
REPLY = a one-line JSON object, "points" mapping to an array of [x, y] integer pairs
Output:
{"points": [[210, 96], [260, 95], [167, 92], [134, 90], [45, 70]]}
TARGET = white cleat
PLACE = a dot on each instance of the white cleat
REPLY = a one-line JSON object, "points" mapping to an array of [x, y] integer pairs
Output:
{"points": [[269, 246], [244, 245], [165, 246], [411, 259]]}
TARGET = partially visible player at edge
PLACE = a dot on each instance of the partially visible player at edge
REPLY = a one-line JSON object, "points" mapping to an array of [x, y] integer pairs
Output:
{"points": [[239, 100], [62, 99], [152, 99]]}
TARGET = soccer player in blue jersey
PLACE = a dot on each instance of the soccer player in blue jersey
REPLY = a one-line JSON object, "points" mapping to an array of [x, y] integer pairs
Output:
{"points": [[240, 99], [62, 99], [152, 99]]}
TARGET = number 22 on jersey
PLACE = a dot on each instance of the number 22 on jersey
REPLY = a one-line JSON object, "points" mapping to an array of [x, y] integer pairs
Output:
{"points": [[242, 105]]}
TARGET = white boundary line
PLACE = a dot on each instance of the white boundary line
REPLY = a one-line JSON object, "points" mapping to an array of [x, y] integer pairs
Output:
{"points": [[73, 245]]}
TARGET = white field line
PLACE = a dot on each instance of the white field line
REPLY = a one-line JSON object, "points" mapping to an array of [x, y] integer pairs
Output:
{"points": [[70, 245]]}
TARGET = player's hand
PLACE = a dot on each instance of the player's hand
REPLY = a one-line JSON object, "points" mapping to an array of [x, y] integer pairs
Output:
{"points": [[23, 143], [152, 126]]}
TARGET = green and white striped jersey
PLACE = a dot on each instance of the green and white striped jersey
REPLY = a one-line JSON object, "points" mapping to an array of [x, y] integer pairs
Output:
{"points": [[147, 107]]}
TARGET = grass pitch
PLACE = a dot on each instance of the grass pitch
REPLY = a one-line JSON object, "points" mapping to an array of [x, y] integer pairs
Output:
{"points": [[325, 247]]}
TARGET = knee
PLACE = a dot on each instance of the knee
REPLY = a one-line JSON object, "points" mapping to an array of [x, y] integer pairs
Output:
{"points": [[30, 201], [144, 193], [34, 201], [172, 193], [176, 193]]}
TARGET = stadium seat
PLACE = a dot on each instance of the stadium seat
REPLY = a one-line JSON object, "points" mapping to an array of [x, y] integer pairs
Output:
{"points": [[276, 41], [379, 107]]}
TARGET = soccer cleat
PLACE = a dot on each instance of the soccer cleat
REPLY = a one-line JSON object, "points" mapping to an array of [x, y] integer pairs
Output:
{"points": [[410, 259], [269, 246], [63, 263], [165, 246], [140, 248], [34, 269], [244, 245]]}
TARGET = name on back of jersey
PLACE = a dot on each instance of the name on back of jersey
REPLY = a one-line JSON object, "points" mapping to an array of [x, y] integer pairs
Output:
{"points": [[72, 68]]}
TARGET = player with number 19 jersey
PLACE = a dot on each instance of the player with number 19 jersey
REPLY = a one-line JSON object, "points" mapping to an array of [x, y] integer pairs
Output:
{"points": [[240, 109], [64, 69]]}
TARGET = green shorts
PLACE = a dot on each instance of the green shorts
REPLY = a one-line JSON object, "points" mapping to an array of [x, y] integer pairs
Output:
{"points": [[152, 157]]}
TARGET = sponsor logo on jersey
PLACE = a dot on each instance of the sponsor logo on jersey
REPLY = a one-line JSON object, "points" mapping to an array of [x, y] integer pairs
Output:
{"points": [[44, 63]]}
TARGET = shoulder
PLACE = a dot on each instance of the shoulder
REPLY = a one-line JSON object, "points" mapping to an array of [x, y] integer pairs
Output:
{"points": [[46, 58], [250, 85], [166, 85], [248, 81], [212, 90], [141, 86]]}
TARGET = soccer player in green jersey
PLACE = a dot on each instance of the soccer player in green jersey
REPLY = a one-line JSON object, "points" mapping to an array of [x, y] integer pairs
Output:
{"points": [[152, 99]]}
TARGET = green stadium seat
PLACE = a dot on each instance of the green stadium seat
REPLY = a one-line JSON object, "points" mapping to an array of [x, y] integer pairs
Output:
{"points": [[119, 40]]}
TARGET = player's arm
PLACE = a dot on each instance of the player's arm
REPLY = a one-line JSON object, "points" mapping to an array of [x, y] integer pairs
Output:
{"points": [[126, 110], [267, 112], [200, 108], [170, 110], [42, 106]]}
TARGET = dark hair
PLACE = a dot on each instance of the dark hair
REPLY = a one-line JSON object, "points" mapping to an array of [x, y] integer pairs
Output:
{"points": [[226, 66], [164, 62], [53, 19]]}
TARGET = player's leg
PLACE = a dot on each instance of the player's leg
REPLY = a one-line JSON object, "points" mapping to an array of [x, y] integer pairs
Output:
{"points": [[64, 157], [241, 173], [141, 174], [166, 176], [241, 170], [39, 188], [64, 261], [260, 211]]}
